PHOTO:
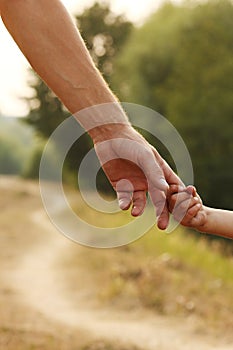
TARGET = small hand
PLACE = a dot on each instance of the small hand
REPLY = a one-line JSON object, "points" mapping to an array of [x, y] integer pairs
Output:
{"points": [[186, 206]]}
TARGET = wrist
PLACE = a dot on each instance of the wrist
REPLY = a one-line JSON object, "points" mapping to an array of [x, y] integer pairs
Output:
{"points": [[104, 121], [110, 131], [204, 227]]}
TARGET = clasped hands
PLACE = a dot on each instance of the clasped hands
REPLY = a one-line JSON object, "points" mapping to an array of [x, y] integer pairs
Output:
{"points": [[134, 168]]}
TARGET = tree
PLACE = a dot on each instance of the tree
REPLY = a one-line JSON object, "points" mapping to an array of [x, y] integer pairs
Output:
{"points": [[105, 34], [46, 110], [15, 143], [10, 156], [180, 64]]}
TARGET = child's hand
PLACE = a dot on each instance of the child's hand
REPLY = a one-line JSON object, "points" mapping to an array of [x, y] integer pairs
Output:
{"points": [[186, 206]]}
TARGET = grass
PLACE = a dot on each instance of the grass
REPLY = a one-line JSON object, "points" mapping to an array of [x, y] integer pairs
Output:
{"points": [[102, 345], [23, 328], [38, 340], [197, 252], [175, 275], [178, 275]]}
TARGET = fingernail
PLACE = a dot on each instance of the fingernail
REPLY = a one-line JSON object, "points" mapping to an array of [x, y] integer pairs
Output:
{"points": [[136, 211], [162, 225], [164, 183], [123, 204]]}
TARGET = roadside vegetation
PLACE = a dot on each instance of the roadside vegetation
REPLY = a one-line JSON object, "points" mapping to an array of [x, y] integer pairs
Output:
{"points": [[178, 275]]}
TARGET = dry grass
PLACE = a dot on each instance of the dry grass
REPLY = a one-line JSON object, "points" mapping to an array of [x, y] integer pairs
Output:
{"points": [[176, 276], [23, 328], [102, 345]]}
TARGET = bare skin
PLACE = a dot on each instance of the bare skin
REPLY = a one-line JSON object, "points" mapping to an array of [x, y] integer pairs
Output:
{"points": [[47, 36], [204, 219]]}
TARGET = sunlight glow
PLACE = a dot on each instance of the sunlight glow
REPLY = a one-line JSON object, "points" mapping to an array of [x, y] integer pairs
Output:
{"points": [[13, 67]]}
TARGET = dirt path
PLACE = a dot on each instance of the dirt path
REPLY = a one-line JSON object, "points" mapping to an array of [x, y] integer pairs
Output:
{"points": [[38, 283]]}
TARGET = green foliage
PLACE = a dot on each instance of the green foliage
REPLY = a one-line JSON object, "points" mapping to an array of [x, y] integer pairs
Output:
{"points": [[31, 169], [104, 33], [180, 64], [46, 110], [10, 162], [15, 143], [32, 166]]}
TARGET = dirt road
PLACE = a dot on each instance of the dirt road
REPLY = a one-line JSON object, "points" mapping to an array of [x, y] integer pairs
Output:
{"points": [[36, 279]]}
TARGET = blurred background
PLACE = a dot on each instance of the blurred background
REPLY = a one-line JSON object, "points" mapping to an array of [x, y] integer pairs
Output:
{"points": [[176, 58]]}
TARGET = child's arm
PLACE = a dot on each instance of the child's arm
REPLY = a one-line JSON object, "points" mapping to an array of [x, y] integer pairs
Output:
{"points": [[187, 208], [219, 222]]}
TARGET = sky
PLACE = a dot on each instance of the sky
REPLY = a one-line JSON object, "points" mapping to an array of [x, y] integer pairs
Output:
{"points": [[14, 67]]}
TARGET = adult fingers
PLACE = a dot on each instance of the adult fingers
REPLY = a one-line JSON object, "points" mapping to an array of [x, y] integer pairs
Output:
{"points": [[124, 200], [139, 203], [170, 176], [124, 190], [152, 170], [159, 201], [163, 219], [157, 187]]}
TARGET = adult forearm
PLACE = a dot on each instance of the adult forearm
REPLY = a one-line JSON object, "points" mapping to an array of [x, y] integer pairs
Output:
{"points": [[46, 34], [49, 39]]}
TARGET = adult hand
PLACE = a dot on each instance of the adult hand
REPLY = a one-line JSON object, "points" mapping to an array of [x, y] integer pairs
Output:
{"points": [[134, 168], [63, 62]]}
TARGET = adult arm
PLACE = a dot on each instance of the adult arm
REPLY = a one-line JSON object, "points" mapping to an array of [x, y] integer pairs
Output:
{"points": [[47, 36]]}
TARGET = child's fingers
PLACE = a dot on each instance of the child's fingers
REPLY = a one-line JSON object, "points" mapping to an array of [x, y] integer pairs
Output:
{"points": [[177, 200], [185, 206], [198, 220], [180, 210], [178, 188], [175, 189], [191, 190], [193, 211]]}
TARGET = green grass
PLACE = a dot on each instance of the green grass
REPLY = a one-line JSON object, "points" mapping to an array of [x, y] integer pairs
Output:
{"points": [[174, 275], [197, 252]]}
